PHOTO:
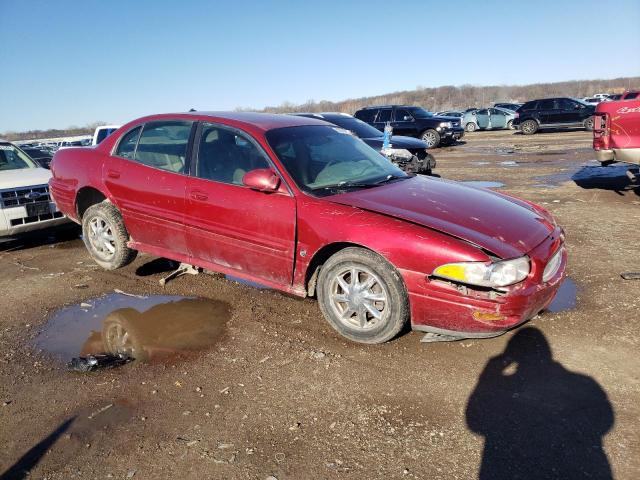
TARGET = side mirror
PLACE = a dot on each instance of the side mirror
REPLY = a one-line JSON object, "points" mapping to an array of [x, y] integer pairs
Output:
{"points": [[261, 179]]}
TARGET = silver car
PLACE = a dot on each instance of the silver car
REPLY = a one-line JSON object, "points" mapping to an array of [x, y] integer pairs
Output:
{"points": [[489, 119]]}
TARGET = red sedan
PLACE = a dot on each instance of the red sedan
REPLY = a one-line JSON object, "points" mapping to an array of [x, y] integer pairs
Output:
{"points": [[305, 207]]}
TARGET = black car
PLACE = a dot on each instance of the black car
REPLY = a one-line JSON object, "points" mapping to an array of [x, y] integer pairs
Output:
{"points": [[562, 112], [509, 106], [40, 155], [414, 122], [410, 154]]}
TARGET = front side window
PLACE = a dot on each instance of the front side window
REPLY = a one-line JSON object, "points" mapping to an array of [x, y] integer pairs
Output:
{"points": [[324, 160], [12, 158], [225, 155], [403, 116], [566, 104], [164, 145], [127, 145]]}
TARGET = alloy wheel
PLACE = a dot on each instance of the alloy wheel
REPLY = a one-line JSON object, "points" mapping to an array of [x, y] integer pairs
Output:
{"points": [[430, 139], [101, 238], [358, 298]]}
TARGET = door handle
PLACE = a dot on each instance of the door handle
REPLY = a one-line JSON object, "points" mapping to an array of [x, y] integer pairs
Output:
{"points": [[199, 195], [113, 174]]}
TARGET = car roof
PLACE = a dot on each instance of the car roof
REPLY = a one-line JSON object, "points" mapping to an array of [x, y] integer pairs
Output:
{"points": [[389, 106], [262, 121]]}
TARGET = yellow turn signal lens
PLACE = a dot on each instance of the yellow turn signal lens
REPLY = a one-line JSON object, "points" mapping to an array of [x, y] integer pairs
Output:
{"points": [[488, 316], [451, 271]]}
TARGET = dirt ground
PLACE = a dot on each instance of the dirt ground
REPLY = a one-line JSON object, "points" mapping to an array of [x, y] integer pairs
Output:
{"points": [[281, 394]]}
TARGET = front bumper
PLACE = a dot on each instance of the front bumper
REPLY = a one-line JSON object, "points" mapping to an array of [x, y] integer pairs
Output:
{"points": [[451, 134], [445, 308], [15, 221]]}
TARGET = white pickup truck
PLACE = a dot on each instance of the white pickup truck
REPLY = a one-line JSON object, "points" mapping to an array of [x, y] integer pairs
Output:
{"points": [[25, 203], [102, 132]]}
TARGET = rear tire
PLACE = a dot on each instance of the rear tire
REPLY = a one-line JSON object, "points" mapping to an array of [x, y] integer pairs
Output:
{"points": [[529, 127], [510, 124], [362, 296], [106, 237], [431, 138], [588, 124], [470, 127]]}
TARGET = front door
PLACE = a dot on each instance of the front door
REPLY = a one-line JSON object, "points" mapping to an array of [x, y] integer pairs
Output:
{"points": [[404, 123], [229, 225], [146, 178], [482, 118]]}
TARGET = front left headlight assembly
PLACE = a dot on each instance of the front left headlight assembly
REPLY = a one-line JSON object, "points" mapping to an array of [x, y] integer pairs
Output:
{"points": [[397, 153], [492, 275]]}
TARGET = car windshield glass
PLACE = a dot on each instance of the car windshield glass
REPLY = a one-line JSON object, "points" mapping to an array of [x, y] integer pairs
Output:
{"points": [[325, 160], [420, 112], [361, 129], [12, 158]]}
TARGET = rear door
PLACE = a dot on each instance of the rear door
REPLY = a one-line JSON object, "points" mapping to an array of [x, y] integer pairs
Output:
{"points": [[384, 116], [498, 119], [229, 225], [546, 110], [146, 178]]}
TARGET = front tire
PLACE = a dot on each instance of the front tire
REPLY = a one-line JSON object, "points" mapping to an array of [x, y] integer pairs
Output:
{"points": [[106, 237], [529, 127], [431, 138], [362, 296]]}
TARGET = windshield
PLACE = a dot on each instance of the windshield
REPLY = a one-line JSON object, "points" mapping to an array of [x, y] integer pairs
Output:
{"points": [[361, 129], [12, 158], [420, 112], [325, 160]]}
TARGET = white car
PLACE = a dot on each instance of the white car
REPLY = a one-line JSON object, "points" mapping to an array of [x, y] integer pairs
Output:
{"points": [[25, 203], [103, 132]]}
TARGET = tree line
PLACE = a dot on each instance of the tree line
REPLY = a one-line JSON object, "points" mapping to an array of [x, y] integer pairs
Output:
{"points": [[447, 97]]}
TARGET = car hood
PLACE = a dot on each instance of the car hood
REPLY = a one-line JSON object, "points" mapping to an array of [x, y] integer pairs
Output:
{"points": [[504, 226], [397, 141], [24, 177]]}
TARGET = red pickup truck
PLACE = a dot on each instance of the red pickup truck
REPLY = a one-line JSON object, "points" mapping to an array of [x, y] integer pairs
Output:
{"points": [[616, 132]]}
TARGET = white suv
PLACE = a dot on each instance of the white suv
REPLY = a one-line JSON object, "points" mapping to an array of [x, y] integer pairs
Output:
{"points": [[25, 204]]}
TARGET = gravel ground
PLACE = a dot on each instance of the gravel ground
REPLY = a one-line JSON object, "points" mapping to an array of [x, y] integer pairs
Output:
{"points": [[280, 394]]}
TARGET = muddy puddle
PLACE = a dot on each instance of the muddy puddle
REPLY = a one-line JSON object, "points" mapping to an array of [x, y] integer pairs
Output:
{"points": [[483, 184], [566, 298], [157, 327]]}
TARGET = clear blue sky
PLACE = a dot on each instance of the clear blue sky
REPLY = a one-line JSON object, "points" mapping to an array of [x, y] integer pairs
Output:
{"points": [[74, 62]]}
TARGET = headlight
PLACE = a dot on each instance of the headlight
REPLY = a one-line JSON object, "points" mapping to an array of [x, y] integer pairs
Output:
{"points": [[445, 124], [497, 274], [397, 152]]}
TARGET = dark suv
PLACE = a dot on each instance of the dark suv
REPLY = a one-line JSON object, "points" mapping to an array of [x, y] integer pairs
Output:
{"points": [[414, 122], [553, 113]]}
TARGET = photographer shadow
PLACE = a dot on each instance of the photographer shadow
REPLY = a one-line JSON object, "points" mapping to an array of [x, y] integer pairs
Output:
{"points": [[540, 420]]}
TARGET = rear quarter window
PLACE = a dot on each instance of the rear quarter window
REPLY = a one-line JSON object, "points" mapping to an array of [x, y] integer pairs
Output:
{"points": [[367, 115], [529, 106]]}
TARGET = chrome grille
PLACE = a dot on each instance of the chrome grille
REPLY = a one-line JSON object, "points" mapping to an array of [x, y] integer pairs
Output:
{"points": [[16, 197]]}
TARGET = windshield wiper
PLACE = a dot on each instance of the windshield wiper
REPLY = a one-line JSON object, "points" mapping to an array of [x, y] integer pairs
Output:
{"points": [[391, 178], [345, 185]]}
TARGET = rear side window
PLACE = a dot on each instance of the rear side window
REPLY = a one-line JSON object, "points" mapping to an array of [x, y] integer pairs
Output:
{"points": [[529, 106], [367, 115], [384, 115], [546, 105], [127, 145], [164, 145]]}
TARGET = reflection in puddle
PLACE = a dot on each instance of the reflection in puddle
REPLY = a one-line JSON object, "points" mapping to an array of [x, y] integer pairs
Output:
{"points": [[483, 184], [146, 328], [565, 299]]}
